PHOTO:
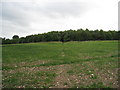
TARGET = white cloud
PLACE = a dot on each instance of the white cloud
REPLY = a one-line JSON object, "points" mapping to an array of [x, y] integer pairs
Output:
{"points": [[25, 17]]}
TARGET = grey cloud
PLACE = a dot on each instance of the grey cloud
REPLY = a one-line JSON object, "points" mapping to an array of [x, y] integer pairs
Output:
{"points": [[72, 9], [21, 13], [14, 13], [10, 29], [63, 9], [17, 17]]}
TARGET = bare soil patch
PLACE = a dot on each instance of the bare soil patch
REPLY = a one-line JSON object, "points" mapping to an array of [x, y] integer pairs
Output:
{"points": [[67, 75]]}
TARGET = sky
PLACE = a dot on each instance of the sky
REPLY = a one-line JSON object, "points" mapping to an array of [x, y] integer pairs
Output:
{"points": [[27, 17]]}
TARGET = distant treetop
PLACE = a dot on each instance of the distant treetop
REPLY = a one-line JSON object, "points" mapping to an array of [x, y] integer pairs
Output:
{"points": [[15, 37]]}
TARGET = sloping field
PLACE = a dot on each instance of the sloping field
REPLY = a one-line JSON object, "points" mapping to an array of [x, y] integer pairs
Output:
{"points": [[89, 64]]}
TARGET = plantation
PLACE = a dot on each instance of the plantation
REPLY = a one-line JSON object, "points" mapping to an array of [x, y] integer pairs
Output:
{"points": [[80, 64]]}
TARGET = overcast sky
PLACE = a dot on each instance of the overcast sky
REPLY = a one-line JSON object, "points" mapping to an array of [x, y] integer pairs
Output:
{"points": [[26, 17]]}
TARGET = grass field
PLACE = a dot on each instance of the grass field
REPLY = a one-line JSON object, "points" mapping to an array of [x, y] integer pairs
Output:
{"points": [[88, 64]]}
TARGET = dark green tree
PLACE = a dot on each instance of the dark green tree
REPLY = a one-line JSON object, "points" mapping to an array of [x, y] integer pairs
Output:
{"points": [[15, 37]]}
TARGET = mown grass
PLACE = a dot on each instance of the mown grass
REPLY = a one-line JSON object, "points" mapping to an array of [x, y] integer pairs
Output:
{"points": [[86, 58]]}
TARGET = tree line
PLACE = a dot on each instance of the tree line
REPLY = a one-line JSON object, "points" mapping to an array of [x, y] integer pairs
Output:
{"points": [[64, 36]]}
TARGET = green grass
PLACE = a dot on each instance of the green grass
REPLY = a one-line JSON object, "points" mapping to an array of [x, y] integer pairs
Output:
{"points": [[83, 58], [52, 51]]}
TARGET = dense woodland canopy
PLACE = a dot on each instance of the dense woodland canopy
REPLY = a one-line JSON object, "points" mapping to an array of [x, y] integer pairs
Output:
{"points": [[64, 36]]}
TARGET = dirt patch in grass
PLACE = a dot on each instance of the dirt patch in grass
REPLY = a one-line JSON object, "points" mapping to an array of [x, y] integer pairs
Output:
{"points": [[62, 79], [23, 64], [104, 73], [84, 74]]}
